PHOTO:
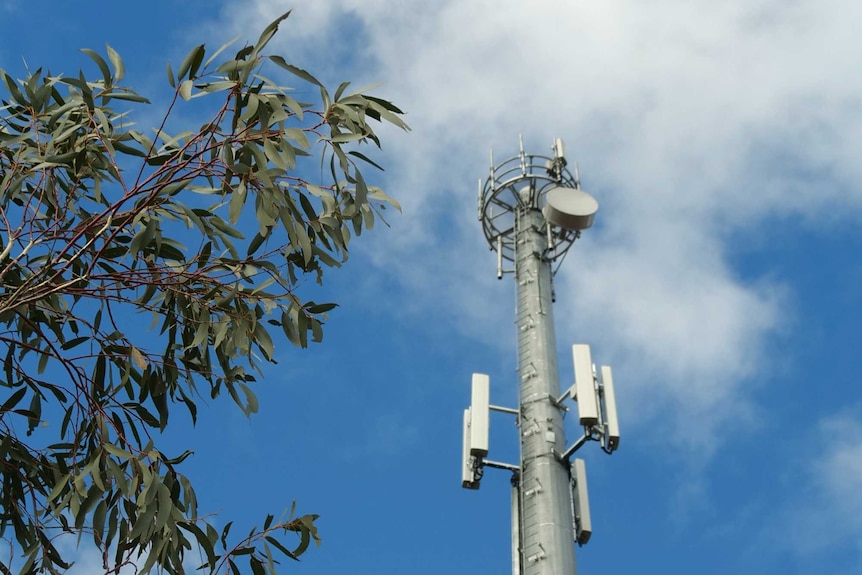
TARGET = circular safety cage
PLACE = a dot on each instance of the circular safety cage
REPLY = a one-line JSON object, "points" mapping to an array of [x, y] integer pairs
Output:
{"points": [[518, 184]]}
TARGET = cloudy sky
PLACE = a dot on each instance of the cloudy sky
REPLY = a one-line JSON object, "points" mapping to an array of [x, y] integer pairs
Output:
{"points": [[721, 280]]}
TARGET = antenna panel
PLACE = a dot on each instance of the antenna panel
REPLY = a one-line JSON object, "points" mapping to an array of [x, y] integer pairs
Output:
{"points": [[588, 407], [467, 480], [559, 150], [516, 530], [479, 411], [612, 426], [580, 496]]}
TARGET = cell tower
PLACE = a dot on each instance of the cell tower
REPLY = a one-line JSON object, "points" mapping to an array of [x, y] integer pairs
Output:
{"points": [[532, 210]]}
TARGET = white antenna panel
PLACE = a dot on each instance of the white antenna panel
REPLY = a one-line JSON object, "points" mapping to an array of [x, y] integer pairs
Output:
{"points": [[559, 150], [479, 410], [467, 480], [588, 406], [583, 521], [612, 431]]}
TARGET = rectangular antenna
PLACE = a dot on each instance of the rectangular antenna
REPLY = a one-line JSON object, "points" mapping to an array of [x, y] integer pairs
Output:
{"points": [[467, 480], [612, 429], [588, 407], [480, 204], [583, 521], [499, 257], [559, 152], [522, 155], [516, 529], [479, 420]]}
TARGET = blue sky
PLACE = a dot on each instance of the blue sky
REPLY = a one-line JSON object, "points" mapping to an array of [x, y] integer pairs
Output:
{"points": [[721, 280]]}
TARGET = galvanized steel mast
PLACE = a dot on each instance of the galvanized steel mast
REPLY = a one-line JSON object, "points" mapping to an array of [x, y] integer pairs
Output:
{"points": [[532, 210], [546, 522]]}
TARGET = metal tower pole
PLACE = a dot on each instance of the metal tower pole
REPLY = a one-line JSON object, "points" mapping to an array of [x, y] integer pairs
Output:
{"points": [[532, 210], [546, 522]]}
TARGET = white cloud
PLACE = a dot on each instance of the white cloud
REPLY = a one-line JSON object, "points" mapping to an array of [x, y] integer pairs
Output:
{"points": [[87, 559], [824, 508], [683, 333], [838, 473], [694, 124]]}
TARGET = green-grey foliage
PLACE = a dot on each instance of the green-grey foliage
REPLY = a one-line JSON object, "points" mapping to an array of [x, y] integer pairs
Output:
{"points": [[204, 233]]}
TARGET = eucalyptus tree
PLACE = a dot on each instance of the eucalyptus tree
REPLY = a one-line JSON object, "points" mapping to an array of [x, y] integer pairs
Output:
{"points": [[200, 237]]}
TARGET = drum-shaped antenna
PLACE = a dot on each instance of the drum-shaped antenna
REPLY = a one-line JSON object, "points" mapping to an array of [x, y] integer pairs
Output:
{"points": [[570, 208]]}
